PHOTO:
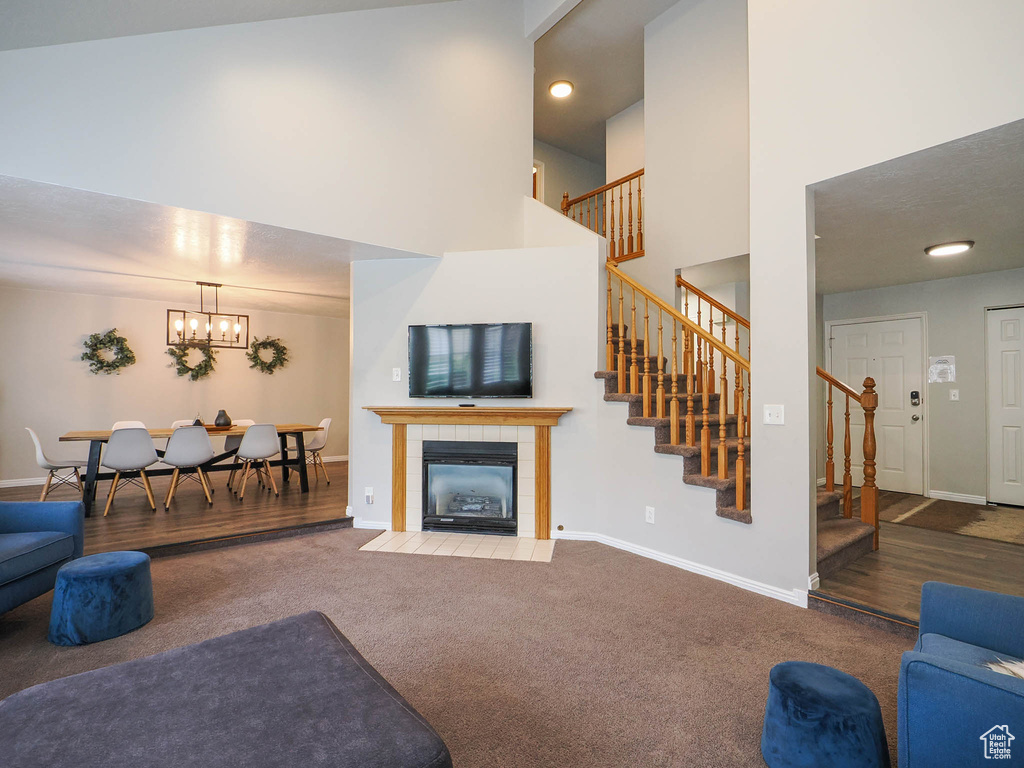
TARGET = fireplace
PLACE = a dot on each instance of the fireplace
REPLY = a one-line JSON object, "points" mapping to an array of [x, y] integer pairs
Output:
{"points": [[470, 487]]}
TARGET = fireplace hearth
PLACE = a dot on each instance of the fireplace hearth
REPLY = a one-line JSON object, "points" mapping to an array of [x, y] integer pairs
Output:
{"points": [[470, 487]]}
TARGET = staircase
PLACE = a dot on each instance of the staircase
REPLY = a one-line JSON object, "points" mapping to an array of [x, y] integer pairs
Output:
{"points": [[690, 383]]}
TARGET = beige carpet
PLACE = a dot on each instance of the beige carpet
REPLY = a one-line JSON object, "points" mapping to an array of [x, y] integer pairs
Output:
{"points": [[599, 658], [984, 522]]}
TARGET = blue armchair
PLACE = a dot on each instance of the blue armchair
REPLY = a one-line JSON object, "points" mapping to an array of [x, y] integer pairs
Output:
{"points": [[36, 539], [952, 708]]}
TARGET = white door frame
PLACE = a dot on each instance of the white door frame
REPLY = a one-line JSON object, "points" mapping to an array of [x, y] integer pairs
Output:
{"points": [[988, 425], [925, 395]]}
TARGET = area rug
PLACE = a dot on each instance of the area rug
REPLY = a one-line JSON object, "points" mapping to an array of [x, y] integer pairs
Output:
{"points": [[983, 522], [600, 658]]}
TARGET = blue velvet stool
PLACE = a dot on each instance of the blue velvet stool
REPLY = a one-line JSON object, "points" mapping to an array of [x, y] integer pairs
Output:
{"points": [[817, 716], [101, 596]]}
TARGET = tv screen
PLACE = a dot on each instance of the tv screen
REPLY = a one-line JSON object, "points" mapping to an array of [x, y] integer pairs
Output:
{"points": [[480, 360]]}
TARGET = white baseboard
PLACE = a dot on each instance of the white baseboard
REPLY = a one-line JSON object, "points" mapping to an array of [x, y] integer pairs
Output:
{"points": [[821, 481], [20, 481], [966, 498], [376, 525], [793, 597]]}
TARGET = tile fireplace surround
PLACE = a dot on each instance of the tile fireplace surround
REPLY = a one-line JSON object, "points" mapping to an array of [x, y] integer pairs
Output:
{"points": [[529, 428]]}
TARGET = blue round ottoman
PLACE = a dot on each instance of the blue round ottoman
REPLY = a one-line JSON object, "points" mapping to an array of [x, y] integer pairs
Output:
{"points": [[817, 716], [98, 597]]}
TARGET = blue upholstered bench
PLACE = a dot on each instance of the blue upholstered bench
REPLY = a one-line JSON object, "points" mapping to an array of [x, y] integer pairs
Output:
{"points": [[817, 716], [98, 597], [287, 694]]}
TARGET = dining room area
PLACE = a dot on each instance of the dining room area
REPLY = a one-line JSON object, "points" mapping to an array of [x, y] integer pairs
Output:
{"points": [[185, 375]]}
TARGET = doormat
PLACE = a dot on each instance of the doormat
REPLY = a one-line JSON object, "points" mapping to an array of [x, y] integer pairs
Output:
{"points": [[983, 522]]}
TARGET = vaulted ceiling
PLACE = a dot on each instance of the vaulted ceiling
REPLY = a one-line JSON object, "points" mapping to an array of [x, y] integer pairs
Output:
{"points": [[31, 23]]}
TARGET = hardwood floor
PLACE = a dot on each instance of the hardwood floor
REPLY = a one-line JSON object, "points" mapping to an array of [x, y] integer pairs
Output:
{"points": [[132, 525], [890, 579]]}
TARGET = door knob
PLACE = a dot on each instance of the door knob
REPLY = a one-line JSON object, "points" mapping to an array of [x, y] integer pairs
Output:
{"points": [[915, 417]]}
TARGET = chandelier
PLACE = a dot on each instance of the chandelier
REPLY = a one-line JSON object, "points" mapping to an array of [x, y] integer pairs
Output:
{"points": [[207, 328]]}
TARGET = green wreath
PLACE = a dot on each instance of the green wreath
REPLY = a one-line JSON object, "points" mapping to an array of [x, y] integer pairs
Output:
{"points": [[111, 342], [267, 366], [195, 372]]}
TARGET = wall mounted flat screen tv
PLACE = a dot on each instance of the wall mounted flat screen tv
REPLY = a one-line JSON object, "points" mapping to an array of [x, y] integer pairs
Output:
{"points": [[479, 360]]}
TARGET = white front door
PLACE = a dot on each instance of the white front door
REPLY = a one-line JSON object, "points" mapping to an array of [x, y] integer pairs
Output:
{"points": [[1005, 342], [892, 353]]}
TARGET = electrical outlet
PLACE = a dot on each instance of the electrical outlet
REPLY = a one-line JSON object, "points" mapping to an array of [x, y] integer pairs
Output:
{"points": [[954, 395], [774, 414], [396, 374], [368, 493], [649, 515]]}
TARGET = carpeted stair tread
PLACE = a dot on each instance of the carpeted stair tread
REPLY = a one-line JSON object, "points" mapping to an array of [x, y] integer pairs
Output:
{"points": [[731, 444], [714, 481], [837, 535], [827, 497], [732, 513]]}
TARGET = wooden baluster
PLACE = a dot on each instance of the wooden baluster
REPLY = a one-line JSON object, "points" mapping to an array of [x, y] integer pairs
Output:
{"points": [[705, 432], [700, 347], [725, 367], [691, 421], [647, 360], [588, 214], [621, 368], [629, 240], [738, 389], [639, 216], [741, 462], [604, 214], [673, 408], [750, 400], [634, 378], [711, 354], [611, 240], [565, 203], [659, 361], [723, 402], [847, 477], [609, 355], [622, 240], [869, 491], [830, 467]]}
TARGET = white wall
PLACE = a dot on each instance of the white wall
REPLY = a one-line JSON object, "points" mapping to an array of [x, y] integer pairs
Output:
{"points": [[957, 443], [624, 142], [408, 127], [45, 385], [565, 172], [833, 88], [695, 109]]}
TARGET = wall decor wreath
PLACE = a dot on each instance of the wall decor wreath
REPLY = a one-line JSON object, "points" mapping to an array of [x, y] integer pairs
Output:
{"points": [[279, 360], [195, 372], [110, 342]]}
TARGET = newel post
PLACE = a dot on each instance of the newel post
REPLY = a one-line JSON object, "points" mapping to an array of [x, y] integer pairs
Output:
{"points": [[565, 203], [869, 491]]}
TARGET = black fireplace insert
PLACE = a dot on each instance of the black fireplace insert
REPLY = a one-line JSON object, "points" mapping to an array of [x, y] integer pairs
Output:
{"points": [[469, 487]]}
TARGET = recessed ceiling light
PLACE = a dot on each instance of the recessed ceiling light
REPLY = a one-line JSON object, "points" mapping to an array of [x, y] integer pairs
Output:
{"points": [[560, 88], [949, 249]]}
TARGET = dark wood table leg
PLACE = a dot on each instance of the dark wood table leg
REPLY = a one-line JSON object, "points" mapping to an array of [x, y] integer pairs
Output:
{"points": [[93, 469], [300, 452], [284, 458]]}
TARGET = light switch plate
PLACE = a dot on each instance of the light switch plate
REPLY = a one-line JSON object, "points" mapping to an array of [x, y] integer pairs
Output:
{"points": [[954, 395], [649, 515], [396, 374], [774, 414]]}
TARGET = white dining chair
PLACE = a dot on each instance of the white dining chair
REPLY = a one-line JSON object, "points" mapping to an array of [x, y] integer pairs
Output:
{"points": [[129, 450], [53, 467], [314, 447], [259, 443], [127, 425], [188, 448], [231, 443]]}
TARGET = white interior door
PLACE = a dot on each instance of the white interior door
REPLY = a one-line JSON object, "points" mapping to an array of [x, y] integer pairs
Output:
{"points": [[1005, 343], [892, 353]]}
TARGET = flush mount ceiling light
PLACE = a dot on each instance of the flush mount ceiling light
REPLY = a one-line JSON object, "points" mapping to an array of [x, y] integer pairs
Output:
{"points": [[949, 249], [560, 88]]}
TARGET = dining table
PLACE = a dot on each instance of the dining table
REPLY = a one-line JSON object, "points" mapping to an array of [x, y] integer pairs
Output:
{"points": [[221, 462]]}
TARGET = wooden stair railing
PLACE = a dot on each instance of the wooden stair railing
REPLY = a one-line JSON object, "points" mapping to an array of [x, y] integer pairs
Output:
{"points": [[596, 210], [868, 401], [688, 385]]}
